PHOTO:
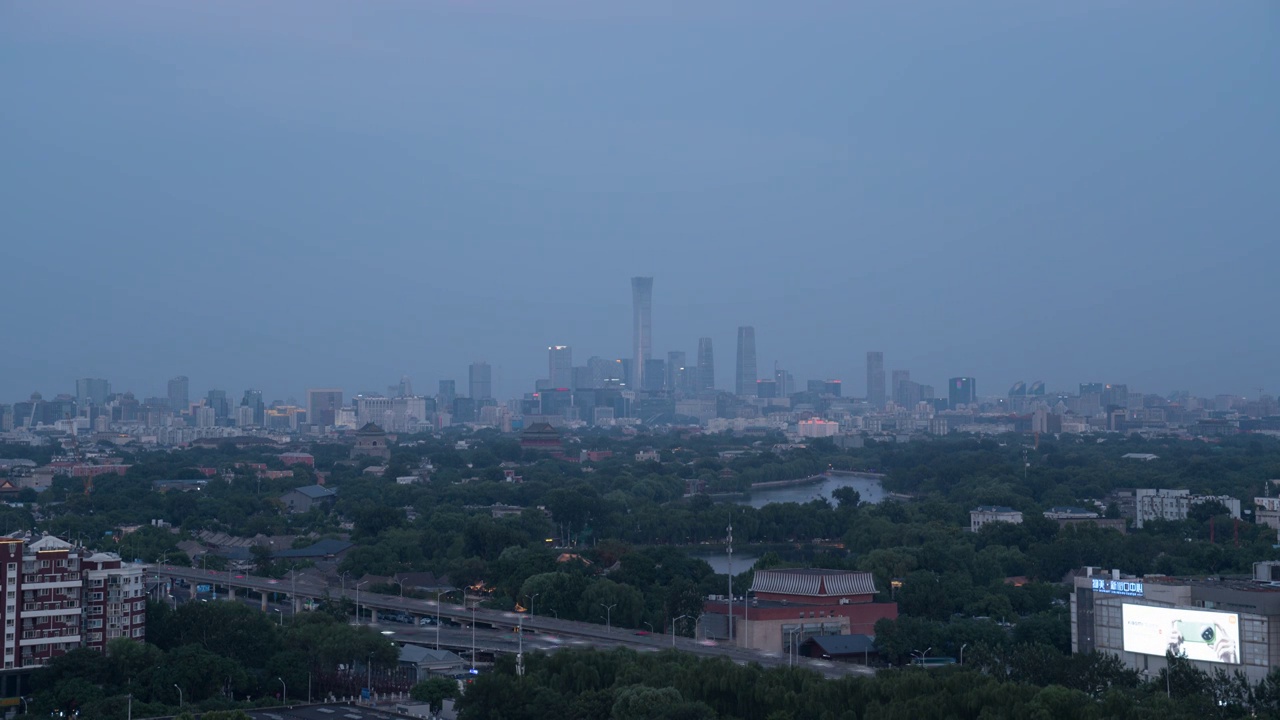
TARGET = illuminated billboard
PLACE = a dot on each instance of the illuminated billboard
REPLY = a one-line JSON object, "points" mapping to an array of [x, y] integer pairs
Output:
{"points": [[1195, 634]]}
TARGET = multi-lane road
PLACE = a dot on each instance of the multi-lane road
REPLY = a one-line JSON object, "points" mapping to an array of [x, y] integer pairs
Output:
{"points": [[540, 633]]}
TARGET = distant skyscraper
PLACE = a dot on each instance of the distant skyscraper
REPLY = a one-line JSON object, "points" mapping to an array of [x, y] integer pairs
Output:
{"points": [[480, 381], [217, 399], [961, 391], [253, 399], [896, 387], [322, 406], [560, 366], [875, 379], [179, 397], [92, 391], [448, 393], [745, 377], [676, 371], [402, 389], [641, 327], [706, 372]]}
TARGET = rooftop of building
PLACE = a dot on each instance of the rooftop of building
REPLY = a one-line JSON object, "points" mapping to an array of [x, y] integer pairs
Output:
{"points": [[816, 582], [994, 508], [315, 492]]}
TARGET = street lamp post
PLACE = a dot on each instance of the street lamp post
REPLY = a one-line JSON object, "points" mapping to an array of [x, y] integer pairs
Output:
{"points": [[280, 613], [284, 695], [608, 617], [368, 678], [345, 573], [921, 655], [179, 695], [531, 599], [962, 647], [673, 627], [791, 646], [366, 582]]}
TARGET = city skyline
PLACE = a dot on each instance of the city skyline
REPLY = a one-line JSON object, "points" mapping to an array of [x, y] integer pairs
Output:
{"points": [[842, 194]]}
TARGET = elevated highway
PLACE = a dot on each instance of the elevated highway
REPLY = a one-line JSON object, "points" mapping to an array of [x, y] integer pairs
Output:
{"points": [[236, 585]]}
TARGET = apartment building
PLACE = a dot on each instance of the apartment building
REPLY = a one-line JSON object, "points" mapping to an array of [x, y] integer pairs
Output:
{"points": [[56, 599]]}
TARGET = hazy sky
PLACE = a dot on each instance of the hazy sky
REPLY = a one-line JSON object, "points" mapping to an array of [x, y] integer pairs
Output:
{"points": [[292, 194]]}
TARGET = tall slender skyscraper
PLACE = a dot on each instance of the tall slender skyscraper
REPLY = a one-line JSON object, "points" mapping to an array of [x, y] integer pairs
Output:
{"points": [[745, 379], [560, 366], [706, 373], [641, 327], [480, 381], [875, 379], [179, 399]]}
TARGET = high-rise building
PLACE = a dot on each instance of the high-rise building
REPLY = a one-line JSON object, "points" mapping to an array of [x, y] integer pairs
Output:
{"points": [[92, 391], [217, 399], [1019, 389], [745, 377], [875, 379], [322, 406], [560, 366], [897, 388], [767, 389], [404, 388], [961, 391], [641, 327], [179, 394], [676, 371], [62, 600], [253, 400], [655, 375], [448, 393], [480, 381], [705, 375]]}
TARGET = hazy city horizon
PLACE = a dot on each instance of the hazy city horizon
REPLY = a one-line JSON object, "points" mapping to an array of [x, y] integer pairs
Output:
{"points": [[285, 197]]}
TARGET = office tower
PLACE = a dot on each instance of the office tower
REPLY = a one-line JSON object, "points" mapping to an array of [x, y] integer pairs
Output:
{"points": [[896, 387], [1091, 389], [560, 366], [675, 371], [322, 406], [448, 393], [785, 380], [767, 389], [404, 388], [1037, 388], [179, 398], [705, 376], [961, 391], [600, 370], [641, 327], [745, 377], [875, 379], [253, 400], [92, 391], [1115, 396], [1019, 389], [480, 381], [217, 399], [655, 375]]}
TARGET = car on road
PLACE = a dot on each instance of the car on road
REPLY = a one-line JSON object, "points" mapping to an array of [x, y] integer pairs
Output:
{"points": [[641, 632]]}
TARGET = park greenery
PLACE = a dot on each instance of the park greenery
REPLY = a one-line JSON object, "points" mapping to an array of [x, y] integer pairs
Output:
{"points": [[222, 655], [623, 533], [1022, 682]]}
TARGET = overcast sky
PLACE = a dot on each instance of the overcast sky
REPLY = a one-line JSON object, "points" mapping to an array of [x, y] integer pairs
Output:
{"points": [[292, 194]]}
